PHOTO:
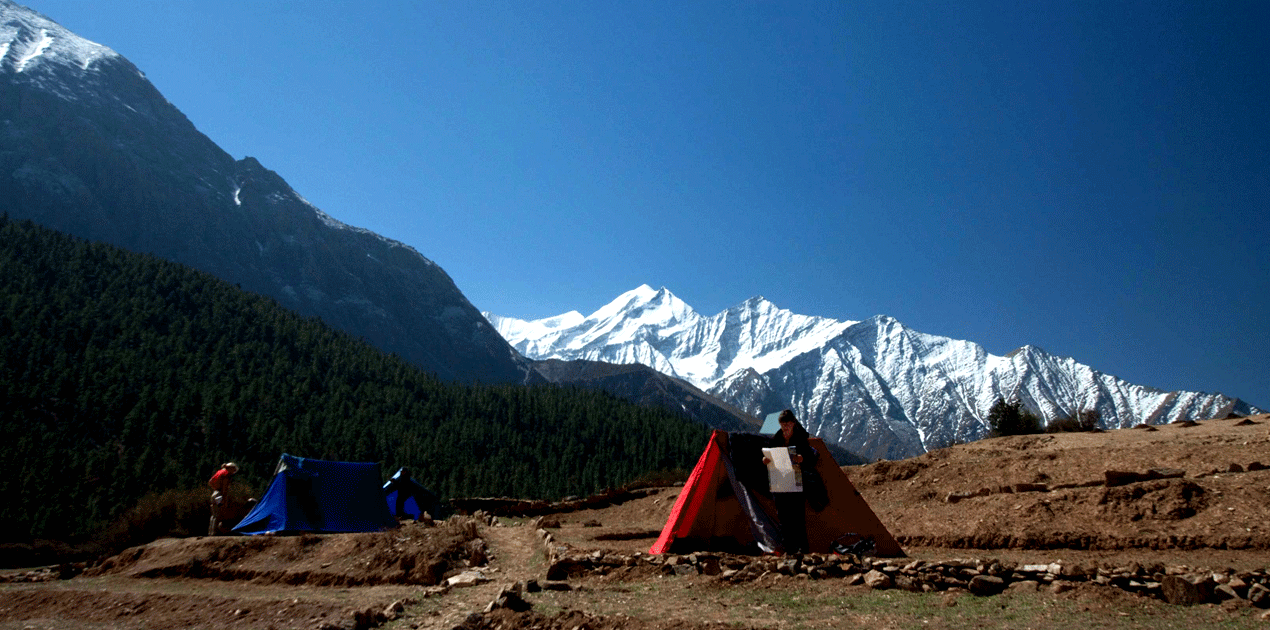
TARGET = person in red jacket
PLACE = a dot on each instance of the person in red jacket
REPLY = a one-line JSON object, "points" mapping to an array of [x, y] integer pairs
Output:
{"points": [[220, 495]]}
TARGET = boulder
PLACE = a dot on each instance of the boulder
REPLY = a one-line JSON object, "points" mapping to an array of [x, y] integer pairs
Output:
{"points": [[1259, 596], [986, 585], [878, 580], [1181, 591]]}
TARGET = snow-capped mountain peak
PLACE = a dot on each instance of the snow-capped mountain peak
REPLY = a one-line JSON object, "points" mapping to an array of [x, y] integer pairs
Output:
{"points": [[875, 386], [644, 307], [28, 39]]}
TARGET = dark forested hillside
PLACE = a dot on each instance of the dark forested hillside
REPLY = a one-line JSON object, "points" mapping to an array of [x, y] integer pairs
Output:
{"points": [[123, 374]]}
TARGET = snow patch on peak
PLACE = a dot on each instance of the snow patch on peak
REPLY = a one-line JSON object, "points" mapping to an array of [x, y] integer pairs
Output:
{"points": [[33, 50], [28, 39]]}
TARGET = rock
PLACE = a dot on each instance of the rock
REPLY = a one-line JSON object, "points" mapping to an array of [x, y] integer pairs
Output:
{"points": [[367, 618], [1025, 586], [556, 585], [1224, 592], [394, 610], [510, 600], [1180, 591], [562, 568], [1121, 477], [1059, 588], [985, 585], [1259, 596], [686, 569], [476, 553], [467, 578], [878, 580], [709, 565]]}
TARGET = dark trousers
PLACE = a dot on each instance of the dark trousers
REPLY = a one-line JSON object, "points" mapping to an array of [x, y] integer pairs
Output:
{"points": [[791, 509]]}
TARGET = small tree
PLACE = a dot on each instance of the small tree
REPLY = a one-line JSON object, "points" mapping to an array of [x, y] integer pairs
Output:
{"points": [[1010, 418]]}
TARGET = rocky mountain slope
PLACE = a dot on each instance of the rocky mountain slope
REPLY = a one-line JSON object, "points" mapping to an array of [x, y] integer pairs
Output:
{"points": [[88, 146], [875, 387]]}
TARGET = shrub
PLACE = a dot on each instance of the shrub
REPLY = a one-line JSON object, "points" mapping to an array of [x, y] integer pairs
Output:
{"points": [[1064, 425], [1010, 418]]}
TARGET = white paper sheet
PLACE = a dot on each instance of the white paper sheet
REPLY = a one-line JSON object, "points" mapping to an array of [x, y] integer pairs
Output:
{"points": [[782, 474]]}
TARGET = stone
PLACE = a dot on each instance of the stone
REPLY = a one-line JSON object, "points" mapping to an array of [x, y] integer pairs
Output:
{"points": [[1115, 478], [878, 580], [1224, 592], [709, 565], [1259, 596], [394, 610], [1058, 588], [986, 585], [1181, 591], [562, 568], [686, 569], [1024, 586], [467, 578], [510, 600]]}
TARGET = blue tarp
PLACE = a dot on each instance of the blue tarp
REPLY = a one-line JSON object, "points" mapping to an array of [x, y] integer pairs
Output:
{"points": [[418, 498], [313, 495]]}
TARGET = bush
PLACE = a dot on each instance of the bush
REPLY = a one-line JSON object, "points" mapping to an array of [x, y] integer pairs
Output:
{"points": [[1010, 418], [1064, 425], [172, 513], [658, 479], [1083, 422]]}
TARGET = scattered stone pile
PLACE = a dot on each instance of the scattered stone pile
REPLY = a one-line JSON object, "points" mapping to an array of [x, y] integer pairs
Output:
{"points": [[1174, 584], [64, 571]]}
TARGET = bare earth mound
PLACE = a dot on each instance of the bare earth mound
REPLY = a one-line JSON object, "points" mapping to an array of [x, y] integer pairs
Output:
{"points": [[1132, 508]]}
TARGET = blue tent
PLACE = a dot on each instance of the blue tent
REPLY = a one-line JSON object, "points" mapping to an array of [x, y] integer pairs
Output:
{"points": [[418, 499], [313, 495]]}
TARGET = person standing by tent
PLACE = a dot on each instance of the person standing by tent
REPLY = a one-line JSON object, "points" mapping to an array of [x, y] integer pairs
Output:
{"points": [[220, 495], [791, 507]]}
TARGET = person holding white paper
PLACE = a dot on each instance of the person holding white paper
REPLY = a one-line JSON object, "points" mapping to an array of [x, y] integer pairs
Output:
{"points": [[788, 458]]}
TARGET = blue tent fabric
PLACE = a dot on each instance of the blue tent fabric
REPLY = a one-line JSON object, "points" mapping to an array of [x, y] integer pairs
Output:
{"points": [[313, 495], [416, 493]]}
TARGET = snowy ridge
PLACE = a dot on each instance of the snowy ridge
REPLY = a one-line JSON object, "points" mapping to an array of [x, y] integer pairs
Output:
{"points": [[29, 40], [875, 387]]}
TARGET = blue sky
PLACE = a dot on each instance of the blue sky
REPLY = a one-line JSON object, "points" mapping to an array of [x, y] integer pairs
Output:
{"points": [[1087, 177]]}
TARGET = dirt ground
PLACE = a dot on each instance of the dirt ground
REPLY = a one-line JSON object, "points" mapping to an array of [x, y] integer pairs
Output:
{"points": [[1030, 499]]}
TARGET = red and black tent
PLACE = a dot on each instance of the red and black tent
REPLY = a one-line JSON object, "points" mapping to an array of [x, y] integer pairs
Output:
{"points": [[725, 505]]}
